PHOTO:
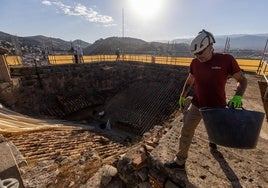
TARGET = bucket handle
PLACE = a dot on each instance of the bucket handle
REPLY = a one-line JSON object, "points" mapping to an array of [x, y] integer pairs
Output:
{"points": [[242, 108]]}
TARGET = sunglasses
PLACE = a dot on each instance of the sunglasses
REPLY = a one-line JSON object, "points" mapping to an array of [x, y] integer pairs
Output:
{"points": [[201, 52]]}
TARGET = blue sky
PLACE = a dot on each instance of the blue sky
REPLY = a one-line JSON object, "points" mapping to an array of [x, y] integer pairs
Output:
{"points": [[149, 20]]}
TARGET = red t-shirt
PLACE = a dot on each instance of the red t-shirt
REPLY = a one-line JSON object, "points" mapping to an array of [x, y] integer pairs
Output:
{"points": [[210, 79]]}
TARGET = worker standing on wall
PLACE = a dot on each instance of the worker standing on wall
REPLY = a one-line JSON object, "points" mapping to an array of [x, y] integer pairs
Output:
{"points": [[75, 57], [80, 55], [208, 74], [117, 53]]}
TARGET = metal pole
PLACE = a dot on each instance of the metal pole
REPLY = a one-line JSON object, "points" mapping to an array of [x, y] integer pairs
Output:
{"points": [[123, 24], [123, 32]]}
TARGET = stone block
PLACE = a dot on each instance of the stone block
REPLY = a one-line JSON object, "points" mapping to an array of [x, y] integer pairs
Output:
{"points": [[9, 171], [139, 161]]}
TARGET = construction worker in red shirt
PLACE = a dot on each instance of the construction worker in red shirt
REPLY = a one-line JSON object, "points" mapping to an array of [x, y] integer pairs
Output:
{"points": [[208, 75]]}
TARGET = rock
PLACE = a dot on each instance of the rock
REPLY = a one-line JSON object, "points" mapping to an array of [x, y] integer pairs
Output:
{"points": [[102, 178]]}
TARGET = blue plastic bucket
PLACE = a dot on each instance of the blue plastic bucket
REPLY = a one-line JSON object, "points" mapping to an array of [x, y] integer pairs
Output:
{"points": [[236, 128]]}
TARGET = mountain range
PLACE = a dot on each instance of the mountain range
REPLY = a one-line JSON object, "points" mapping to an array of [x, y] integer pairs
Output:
{"points": [[35, 44], [136, 46], [177, 47], [237, 41]]}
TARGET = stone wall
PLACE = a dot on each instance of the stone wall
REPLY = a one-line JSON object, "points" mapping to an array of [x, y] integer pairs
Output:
{"points": [[62, 89]]}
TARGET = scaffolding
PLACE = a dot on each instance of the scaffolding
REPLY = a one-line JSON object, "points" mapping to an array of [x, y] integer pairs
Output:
{"points": [[262, 68], [51, 52], [227, 45]]}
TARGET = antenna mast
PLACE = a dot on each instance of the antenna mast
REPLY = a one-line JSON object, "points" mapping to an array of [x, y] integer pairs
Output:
{"points": [[123, 24]]}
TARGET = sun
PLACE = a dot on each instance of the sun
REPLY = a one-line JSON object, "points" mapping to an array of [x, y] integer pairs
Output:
{"points": [[146, 8]]}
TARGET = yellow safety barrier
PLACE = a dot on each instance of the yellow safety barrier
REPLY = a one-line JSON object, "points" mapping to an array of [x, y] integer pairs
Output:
{"points": [[245, 64], [14, 60], [60, 59], [250, 65]]}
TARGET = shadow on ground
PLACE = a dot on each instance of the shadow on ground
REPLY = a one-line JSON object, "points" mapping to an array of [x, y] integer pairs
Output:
{"points": [[228, 171]]}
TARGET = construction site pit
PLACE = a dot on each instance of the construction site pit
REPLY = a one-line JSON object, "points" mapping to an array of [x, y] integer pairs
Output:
{"points": [[122, 137]]}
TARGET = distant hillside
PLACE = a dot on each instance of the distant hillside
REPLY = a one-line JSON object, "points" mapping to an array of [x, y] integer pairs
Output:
{"points": [[248, 42], [37, 44], [136, 46], [241, 41], [41, 44]]}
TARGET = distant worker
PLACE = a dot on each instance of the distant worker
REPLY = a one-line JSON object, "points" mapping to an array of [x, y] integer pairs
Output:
{"points": [[80, 55], [153, 58], [208, 74], [117, 53], [75, 56]]}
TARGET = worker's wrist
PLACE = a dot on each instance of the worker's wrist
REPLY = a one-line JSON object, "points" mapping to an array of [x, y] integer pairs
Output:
{"points": [[239, 97]]}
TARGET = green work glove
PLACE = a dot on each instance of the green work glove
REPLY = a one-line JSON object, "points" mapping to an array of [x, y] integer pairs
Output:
{"points": [[235, 102], [181, 102]]}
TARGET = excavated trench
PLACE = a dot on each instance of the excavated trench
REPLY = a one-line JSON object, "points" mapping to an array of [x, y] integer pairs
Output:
{"points": [[131, 96], [114, 121], [135, 110]]}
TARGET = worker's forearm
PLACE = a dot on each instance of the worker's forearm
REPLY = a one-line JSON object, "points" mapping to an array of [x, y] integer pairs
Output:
{"points": [[241, 86], [186, 89]]}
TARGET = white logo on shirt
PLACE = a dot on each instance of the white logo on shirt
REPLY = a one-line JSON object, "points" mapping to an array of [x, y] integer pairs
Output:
{"points": [[216, 67]]}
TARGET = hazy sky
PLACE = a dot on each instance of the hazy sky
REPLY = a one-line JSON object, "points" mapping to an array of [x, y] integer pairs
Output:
{"points": [[148, 20]]}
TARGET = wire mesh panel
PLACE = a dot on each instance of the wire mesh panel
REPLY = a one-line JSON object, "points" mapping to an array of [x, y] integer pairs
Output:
{"points": [[143, 105]]}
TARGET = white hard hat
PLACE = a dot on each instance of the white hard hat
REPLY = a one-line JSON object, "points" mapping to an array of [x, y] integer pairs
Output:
{"points": [[201, 41]]}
